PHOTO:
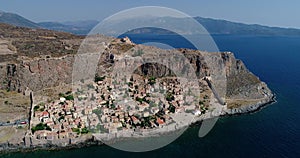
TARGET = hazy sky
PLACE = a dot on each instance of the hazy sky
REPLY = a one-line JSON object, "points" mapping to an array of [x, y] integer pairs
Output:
{"points": [[285, 13]]}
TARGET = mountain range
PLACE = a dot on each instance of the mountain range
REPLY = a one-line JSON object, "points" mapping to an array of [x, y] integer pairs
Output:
{"points": [[17, 20], [213, 26]]}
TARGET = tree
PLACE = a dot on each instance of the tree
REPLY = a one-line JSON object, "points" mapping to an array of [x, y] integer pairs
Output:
{"points": [[61, 95], [70, 97], [36, 108], [152, 80], [84, 130], [98, 78], [76, 130], [39, 127], [139, 99], [170, 97], [171, 108]]}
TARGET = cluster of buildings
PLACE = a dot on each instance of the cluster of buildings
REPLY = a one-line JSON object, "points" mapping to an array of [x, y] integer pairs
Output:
{"points": [[142, 103], [61, 119], [107, 106]]}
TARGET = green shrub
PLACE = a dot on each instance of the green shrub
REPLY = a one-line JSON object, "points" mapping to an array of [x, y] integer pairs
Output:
{"points": [[84, 131], [90, 86], [61, 95], [139, 99], [61, 118], [152, 80], [102, 97], [98, 78], [169, 97], [171, 108], [76, 130], [36, 108], [201, 102], [39, 127], [70, 97]]}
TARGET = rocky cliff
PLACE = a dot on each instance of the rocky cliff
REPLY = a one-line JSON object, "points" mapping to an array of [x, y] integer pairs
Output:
{"points": [[36, 60], [45, 59]]}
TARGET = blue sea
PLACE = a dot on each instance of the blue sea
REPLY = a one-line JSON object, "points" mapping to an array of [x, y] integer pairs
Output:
{"points": [[272, 132]]}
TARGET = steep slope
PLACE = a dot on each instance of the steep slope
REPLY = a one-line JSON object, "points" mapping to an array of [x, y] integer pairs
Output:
{"points": [[45, 59], [43, 62], [16, 20]]}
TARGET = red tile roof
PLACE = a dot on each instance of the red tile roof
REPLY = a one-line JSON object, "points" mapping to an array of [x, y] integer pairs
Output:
{"points": [[134, 118], [45, 113], [160, 121]]}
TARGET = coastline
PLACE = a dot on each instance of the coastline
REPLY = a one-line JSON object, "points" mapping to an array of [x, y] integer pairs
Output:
{"points": [[91, 140]]}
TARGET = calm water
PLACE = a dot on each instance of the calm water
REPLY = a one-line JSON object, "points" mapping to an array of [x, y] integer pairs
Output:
{"points": [[272, 132]]}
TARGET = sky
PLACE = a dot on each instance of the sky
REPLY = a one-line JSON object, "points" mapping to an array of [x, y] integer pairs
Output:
{"points": [[282, 13]]}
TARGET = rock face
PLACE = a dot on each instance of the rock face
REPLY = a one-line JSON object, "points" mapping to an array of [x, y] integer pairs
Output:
{"points": [[36, 74], [47, 59], [40, 70], [41, 73], [39, 59]]}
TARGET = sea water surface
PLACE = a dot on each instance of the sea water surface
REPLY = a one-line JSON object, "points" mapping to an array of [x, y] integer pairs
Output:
{"points": [[272, 132]]}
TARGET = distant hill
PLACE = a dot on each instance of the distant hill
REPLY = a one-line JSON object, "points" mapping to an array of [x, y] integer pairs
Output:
{"points": [[17, 20], [213, 26], [82, 23], [62, 27], [76, 27]]}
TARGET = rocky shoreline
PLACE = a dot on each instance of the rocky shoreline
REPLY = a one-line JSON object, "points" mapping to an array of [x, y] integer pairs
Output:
{"points": [[92, 140], [252, 108], [11, 148], [48, 71]]}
